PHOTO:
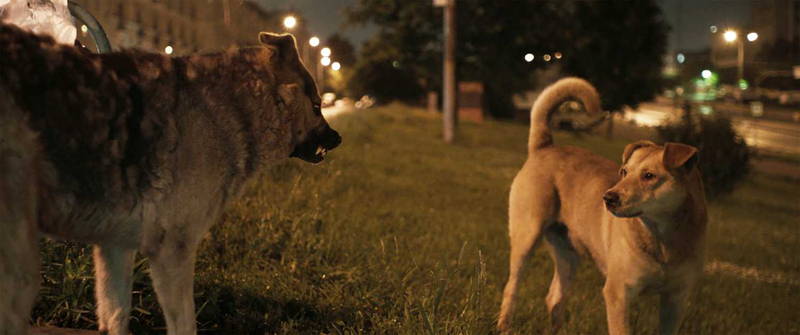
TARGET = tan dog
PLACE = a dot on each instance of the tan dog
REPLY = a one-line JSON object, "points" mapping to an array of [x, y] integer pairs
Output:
{"points": [[643, 223]]}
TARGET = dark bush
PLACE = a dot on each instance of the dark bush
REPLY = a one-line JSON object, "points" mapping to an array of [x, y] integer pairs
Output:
{"points": [[724, 155]]}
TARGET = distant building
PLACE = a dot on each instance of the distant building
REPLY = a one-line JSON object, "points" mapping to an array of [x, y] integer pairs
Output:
{"points": [[185, 26]]}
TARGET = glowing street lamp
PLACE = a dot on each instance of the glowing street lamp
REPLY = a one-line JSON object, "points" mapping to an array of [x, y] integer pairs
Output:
{"points": [[529, 57], [325, 52], [706, 74], [168, 50], [289, 22], [336, 66], [314, 41], [730, 35], [325, 61]]}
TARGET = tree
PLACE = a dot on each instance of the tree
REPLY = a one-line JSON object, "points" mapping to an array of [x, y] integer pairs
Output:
{"points": [[342, 49], [619, 47], [596, 37]]}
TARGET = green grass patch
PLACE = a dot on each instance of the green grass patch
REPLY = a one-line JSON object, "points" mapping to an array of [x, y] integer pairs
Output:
{"points": [[399, 233]]}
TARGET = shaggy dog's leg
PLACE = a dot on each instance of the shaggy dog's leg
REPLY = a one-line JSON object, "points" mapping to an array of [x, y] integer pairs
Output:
{"points": [[19, 252], [172, 271], [566, 260], [114, 282]]}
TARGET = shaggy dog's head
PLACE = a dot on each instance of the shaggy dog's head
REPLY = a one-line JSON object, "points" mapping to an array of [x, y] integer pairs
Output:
{"points": [[312, 137]]}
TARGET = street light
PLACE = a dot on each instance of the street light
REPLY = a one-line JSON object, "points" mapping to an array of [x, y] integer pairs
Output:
{"points": [[168, 50], [325, 61], [529, 57], [289, 22], [731, 36], [336, 66], [325, 52], [314, 41]]}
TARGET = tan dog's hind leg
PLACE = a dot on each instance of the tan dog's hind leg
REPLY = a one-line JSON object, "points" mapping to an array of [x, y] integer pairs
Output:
{"points": [[527, 218], [172, 271], [113, 266], [566, 261]]}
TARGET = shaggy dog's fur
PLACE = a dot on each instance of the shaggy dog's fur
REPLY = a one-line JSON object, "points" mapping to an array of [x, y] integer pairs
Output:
{"points": [[138, 151]]}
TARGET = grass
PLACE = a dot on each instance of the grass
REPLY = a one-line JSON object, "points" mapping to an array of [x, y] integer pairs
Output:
{"points": [[398, 233]]}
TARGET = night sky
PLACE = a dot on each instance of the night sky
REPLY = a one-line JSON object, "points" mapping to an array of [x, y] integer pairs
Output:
{"points": [[690, 19]]}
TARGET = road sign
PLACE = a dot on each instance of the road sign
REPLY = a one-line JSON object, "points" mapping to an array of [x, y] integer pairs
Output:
{"points": [[757, 108]]}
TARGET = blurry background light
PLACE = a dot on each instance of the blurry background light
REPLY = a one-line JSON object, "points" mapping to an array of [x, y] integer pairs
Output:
{"points": [[325, 52]]}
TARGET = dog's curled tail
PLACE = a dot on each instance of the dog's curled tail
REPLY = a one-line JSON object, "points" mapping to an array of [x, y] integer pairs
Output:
{"points": [[570, 88]]}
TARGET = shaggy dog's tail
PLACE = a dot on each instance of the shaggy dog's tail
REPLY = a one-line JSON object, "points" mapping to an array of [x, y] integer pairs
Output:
{"points": [[571, 88]]}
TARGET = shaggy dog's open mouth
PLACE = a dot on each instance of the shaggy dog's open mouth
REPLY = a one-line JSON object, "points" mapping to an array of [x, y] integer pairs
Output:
{"points": [[316, 146]]}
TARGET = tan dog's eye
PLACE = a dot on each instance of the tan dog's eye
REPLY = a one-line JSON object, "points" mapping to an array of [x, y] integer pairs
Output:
{"points": [[648, 176], [623, 172]]}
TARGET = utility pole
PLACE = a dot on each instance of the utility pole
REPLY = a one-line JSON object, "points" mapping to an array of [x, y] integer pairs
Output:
{"points": [[449, 95]]}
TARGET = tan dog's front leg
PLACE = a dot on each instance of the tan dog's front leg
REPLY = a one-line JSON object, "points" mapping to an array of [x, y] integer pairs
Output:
{"points": [[113, 284], [673, 305], [618, 297], [172, 271]]}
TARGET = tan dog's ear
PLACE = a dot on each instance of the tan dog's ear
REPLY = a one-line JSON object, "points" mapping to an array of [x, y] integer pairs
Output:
{"points": [[677, 155], [283, 44], [630, 148], [288, 92]]}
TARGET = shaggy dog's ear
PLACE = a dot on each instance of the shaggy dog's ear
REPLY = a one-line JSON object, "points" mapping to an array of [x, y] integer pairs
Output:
{"points": [[289, 92], [630, 148], [677, 155], [283, 45]]}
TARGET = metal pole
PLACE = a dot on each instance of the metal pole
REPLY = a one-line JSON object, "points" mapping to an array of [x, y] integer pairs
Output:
{"points": [[319, 72], [449, 96], [740, 59]]}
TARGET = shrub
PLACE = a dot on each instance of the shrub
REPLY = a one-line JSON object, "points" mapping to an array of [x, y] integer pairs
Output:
{"points": [[724, 155]]}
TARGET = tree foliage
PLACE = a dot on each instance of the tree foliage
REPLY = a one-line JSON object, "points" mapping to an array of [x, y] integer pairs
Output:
{"points": [[615, 44]]}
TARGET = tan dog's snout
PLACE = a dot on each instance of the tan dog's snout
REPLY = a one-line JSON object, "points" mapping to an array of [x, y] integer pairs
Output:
{"points": [[612, 200]]}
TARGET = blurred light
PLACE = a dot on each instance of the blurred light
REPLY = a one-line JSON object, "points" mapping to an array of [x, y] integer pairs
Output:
{"points": [[84, 28], [681, 58], [168, 50], [289, 22], [730, 35], [325, 52], [529, 57], [557, 55], [752, 36], [314, 41], [743, 84], [706, 110], [336, 66], [396, 64], [325, 61], [546, 57], [713, 29], [706, 74]]}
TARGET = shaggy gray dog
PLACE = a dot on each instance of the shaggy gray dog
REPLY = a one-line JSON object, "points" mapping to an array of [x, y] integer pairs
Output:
{"points": [[138, 151]]}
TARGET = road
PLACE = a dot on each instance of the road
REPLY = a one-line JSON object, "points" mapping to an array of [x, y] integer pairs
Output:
{"points": [[771, 135]]}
